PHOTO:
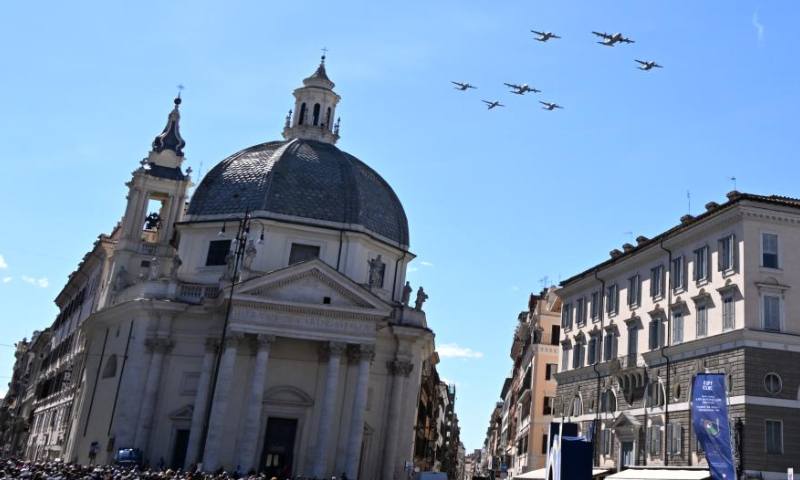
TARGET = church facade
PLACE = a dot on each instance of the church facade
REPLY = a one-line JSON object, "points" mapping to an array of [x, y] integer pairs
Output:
{"points": [[263, 324]]}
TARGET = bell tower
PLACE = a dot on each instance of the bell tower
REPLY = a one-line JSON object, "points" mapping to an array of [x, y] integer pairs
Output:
{"points": [[314, 109], [157, 194]]}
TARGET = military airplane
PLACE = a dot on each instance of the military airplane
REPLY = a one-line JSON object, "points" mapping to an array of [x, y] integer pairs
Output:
{"points": [[491, 105], [521, 89], [462, 86], [544, 36], [648, 65], [610, 40], [550, 106]]}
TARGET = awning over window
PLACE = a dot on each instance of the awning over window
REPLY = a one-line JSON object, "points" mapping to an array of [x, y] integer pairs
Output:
{"points": [[659, 474]]}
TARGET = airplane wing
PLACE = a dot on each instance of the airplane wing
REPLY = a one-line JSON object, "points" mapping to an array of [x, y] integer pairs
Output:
{"points": [[471, 86], [535, 91], [658, 66], [456, 83], [486, 102], [604, 35], [639, 61], [559, 106], [511, 85], [537, 33], [500, 105], [627, 40], [554, 36], [544, 103]]}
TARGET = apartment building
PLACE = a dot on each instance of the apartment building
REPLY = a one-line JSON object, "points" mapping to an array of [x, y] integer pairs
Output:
{"points": [[719, 293]]}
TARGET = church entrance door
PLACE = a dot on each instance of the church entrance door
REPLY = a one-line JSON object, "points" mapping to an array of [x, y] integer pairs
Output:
{"points": [[278, 456], [179, 448]]}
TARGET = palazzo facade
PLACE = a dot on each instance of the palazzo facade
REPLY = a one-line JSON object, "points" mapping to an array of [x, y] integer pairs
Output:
{"points": [[290, 347]]}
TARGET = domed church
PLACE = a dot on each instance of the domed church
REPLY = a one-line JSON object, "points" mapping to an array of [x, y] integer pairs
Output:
{"points": [[264, 324]]}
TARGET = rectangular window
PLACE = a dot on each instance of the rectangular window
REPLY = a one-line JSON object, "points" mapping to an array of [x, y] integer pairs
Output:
{"points": [[577, 355], [608, 439], [593, 344], [565, 358], [548, 404], [595, 306], [726, 253], [728, 313], [566, 315], [580, 311], [633, 291], [655, 333], [674, 433], [769, 250], [217, 251], [610, 346], [701, 264], [550, 370], [612, 297], [774, 436], [772, 312], [677, 273], [654, 440], [702, 321], [657, 281], [544, 444], [303, 253], [677, 328], [633, 340]]}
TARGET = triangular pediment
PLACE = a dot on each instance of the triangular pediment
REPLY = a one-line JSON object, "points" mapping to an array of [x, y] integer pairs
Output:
{"points": [[311, 284], [625, 420], [183, 413]]}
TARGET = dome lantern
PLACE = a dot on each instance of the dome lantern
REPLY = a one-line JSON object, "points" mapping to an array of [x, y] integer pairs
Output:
{"points": [[315, 109]]}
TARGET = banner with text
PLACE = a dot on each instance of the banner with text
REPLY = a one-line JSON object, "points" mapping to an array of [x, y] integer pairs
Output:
{"points": [[710, 420]]}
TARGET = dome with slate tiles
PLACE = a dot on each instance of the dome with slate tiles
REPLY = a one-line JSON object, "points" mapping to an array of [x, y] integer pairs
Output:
{"points": [[299, 179]]}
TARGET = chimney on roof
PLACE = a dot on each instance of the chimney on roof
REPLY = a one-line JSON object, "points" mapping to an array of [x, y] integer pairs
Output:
{"points": [[733, 194], [711, 206], [687, 218], [641, 240], [627, 247], [615, 253]]}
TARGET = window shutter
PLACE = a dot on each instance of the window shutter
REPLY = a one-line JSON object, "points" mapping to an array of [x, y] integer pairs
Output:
{"points": [[678, 438], [735, 252], [647, 443], [669, 437]]}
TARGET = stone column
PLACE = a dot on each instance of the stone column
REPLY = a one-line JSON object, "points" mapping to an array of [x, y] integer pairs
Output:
{"points": [[201, 402], [252, 422], [363, 355], [400, 369], [333, 351], [219, 409], [159, 346]]}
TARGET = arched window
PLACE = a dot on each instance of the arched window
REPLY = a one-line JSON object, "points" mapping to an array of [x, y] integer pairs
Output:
{"points": [[315, 116], [655, 394], [608, 402], [302, 117], [111, 367], [328, 118], [577, 407]]}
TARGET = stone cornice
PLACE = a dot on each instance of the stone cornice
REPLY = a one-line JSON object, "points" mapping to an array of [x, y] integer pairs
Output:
{"points": [[308, 310]]}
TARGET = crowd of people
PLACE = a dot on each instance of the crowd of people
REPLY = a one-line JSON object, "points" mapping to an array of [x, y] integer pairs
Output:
{"points": [[19, 469]]}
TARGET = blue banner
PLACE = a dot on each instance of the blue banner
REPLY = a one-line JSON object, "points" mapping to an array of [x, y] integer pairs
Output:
{"points": [[710, 421]]}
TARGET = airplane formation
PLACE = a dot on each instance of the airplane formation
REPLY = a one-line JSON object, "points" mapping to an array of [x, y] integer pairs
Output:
{"points": [[608, 40]]}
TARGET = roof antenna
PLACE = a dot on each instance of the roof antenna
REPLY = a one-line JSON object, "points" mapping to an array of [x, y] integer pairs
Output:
{"points": [[689, 202], [733, 180]]}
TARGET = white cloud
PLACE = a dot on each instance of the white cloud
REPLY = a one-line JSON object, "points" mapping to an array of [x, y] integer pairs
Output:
{"points": [[39, 282], [3, 264], [7, 279], [514, 288], [426, 264], [759, 26], [453, 350], [412, 269]]}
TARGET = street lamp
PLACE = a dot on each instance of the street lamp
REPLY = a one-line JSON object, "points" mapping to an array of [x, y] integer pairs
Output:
{"points": [[239, 242]]}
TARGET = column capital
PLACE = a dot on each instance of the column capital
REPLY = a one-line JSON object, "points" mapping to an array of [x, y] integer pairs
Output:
{"points": [[361, 351], [159, 345], [400, 367], [212, 345], [331, 349], [232, 339], [262, 342]]}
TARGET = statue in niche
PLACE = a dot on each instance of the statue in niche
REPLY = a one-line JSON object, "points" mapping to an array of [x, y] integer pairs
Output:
{"points": [[230, 265], [249, 255], [173, 271], [421, 297], [152, 270], [407, 293], [376, 271]]}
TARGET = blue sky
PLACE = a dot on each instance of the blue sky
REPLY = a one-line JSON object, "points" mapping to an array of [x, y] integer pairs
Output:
{"points": [[496, 199]]}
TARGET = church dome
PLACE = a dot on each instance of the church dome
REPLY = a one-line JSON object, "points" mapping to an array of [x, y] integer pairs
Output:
{"points": [[303, 179]]}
